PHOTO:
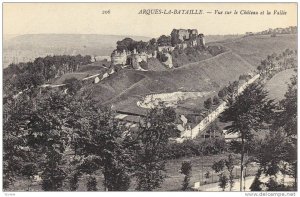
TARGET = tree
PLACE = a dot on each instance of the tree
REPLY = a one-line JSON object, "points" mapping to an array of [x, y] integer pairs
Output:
{"points": [[91, 184], [186, 169], [246, 114], [230, 165], [29, 170], [154, 133], [223, 181], [15, 150], [256, 185], [73, 85], [152, 41], [127, 44], [208, 103], [175, 38], [278, 151], [216, 100], [218, 166], [73, 181], [288, 117], [48, 136], [99, 140], [164, 40], [222, 93], [273, 185], [286, 122]]}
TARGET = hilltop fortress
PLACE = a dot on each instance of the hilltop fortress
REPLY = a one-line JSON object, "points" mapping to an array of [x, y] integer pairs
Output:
{"points": [[133, 53], [187, 37]]}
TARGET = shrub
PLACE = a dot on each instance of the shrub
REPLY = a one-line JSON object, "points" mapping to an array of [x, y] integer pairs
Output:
{"points": [[73, 85], [91, 184], [216, 100], [218, 166], [195, 148], [186, 169], [223, 181], [208, 103]]}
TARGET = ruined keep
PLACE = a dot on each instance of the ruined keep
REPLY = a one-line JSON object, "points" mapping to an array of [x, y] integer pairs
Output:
{"points": [[130, 58], [182, 38], [119, 57]]}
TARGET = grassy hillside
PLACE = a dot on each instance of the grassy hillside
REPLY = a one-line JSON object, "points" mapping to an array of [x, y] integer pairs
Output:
{"points": [[125, 88], [278, 85], [182, 57], [199, 76], [114, 85], [216, 38], [255, 48], [155, 65]]}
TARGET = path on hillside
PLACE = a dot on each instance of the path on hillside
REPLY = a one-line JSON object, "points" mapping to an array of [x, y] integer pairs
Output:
{"points": [[124, 91], [212, 116]]}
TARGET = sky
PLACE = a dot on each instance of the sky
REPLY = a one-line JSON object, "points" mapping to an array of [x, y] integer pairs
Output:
{"points": [[88, 18]]}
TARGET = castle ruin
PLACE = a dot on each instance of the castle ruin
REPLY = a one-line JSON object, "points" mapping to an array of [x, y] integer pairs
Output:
{"points": [[180, 39], [183, 38]]}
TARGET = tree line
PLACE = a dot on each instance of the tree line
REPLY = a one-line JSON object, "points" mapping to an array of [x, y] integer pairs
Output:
{"points": [[64, 137], [23, 76]]}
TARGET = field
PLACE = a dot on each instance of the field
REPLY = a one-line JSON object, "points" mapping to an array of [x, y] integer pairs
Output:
{"points": [[278, 85]]}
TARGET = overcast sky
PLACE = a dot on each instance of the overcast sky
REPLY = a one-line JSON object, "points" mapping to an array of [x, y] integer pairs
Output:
{"points": [[87, 18]]}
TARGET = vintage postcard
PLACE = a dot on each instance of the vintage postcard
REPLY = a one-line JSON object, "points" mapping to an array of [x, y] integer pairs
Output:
{"points": [[149, 97]]}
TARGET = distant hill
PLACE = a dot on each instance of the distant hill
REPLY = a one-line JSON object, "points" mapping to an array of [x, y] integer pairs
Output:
{"points": [[256, 48], [23, 48], [216, 38]]}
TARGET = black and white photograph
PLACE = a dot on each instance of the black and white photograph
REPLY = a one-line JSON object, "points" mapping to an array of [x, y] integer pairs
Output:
{"points": [[149, 97]]}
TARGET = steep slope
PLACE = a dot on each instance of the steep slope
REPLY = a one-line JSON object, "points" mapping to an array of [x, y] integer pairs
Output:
{"points": [[198, 76], [277, 86], [155, 65], [116, 84], [243, 57]]}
